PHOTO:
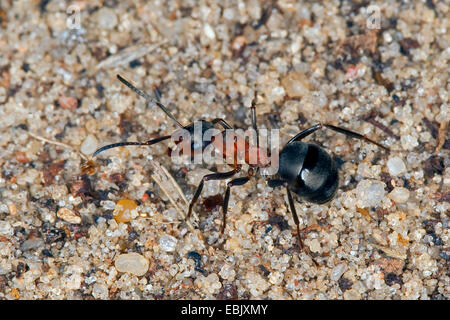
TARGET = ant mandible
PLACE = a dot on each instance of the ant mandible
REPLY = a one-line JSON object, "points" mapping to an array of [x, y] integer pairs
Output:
{"points": [[305, 169]]}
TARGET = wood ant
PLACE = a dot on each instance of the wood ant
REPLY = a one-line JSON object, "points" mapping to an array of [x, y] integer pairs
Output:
{"points": [[305, 169]]}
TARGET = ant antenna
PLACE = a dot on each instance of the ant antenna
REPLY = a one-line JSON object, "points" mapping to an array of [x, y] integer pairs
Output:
{"points": [[149, 99], [130, 143]]}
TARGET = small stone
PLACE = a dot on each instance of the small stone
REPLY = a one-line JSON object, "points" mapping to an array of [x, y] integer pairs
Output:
{"points": [[68, 215], [132, 263], [276, 278], [370, 193], [396, 166], [314, 245], [12, 209], [227, 272], [15, 293], [352, 294], [89, 145], [6, 229], [125, 211], [338, 271], [409, 142], [100, 291], [22, 157], [168, 243], [212, 283], [68, 103], [31, 244], [295, 84], [399, 195], [232, 245], [238, 44], [229, 14], [106, 18], [209, 31]]}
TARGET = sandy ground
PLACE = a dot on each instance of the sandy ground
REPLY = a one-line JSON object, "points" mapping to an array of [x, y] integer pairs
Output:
{"points": [[116, 230]]}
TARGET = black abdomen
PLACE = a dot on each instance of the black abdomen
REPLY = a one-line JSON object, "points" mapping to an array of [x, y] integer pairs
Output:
{"points": [[310, 171]]}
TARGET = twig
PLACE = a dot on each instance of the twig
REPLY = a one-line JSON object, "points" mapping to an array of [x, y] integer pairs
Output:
{"points": [[127, 55], [56, 143], [161, 175], [390, 252], [441, 136]]}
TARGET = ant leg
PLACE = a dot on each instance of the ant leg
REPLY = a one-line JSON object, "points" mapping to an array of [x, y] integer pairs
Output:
{"points": [[295, 216], [157, 94], [345, 131], [254, 125], [212, 176], [297, 223], [274, 183], [235, 182], [355, 135], [128, 143], [222, 122]]}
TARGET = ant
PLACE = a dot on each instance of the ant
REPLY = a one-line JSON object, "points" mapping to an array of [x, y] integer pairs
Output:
{"points": [[305, 169]]}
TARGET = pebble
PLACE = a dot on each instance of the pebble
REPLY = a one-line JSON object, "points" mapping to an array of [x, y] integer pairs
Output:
{"points": [[238, 43], [106, 18], [370, 193], [132, 263], [295, 84], [31, 244], [213, 283], [68, 215], [227, 272], [68, 103], [314, 245], [123, 211], [396, 166], [100, 291], [338, 271], [168, 243], [352, 294], [209, 31], [12, 209], [409, 142], [89, 145], [6, 228], [399, 194]]}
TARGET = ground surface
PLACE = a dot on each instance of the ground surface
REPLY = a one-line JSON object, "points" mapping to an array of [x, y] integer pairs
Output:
{"points": [[384, 236]]}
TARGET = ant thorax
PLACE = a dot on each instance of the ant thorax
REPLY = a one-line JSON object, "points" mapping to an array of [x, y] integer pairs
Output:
{"points": [[200, 144]]}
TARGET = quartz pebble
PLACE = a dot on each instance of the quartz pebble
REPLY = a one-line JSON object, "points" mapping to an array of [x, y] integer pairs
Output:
{"points": [[314, 245], [132, 263], [89, 145], [100, 291], [399, 194], [209, 31], [212, 282], [295, 84], [167, 243], [396, 166], [68, 215], [106, 18], [370, 193], [338, 271], [6, 228], [32, 244]]}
